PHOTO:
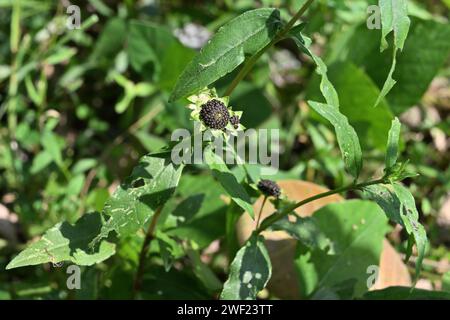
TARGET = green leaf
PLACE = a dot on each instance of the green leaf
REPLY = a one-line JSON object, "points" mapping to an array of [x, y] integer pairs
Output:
{"points": [[405, 293], [66, 242], [399, 206], [357, 95], [326, 87], [110, 42], [305, 230], [148, 43], [346, 136], [392, 144], [424, 55], [169, 249], [394, 18], [228, 181], [203, 272], [244, 35], [249, 272], [134, 202], [197, 212], [410, 216], [50, 142], [356, 229]]}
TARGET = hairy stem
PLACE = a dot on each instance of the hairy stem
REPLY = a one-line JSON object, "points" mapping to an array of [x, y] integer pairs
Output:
{"points": [[279, 36], [143, 254], [277, 216]]}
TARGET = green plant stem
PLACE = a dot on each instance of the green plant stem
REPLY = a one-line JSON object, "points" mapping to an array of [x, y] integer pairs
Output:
{"points": [[277, 216], [143, 254], [260, 211], [279, 36]]}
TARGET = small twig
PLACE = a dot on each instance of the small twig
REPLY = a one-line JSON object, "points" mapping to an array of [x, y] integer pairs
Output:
{"points": [[143, 254], [280, 215]]}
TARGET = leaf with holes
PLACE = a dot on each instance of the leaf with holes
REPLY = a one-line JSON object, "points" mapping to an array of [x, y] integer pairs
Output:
{"points": [[249, 272], [135, 201], [66, 242]]}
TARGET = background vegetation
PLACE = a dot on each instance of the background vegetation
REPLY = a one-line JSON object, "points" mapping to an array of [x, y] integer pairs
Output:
{"points": [[78, 108]]}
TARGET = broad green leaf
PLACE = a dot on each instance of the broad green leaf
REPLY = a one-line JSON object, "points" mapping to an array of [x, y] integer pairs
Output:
{"points": [[110, 42], [169, 249], [134, 202], [399, 206], [148, 44], [392, 144], [346, 136], [197, 211], [406, 293], [228, 181], [424, 54], [305, 230], [66, 242], [172, 285], [245, 35], [249, 272], [51, 143], [356, 230], [203, 272]]}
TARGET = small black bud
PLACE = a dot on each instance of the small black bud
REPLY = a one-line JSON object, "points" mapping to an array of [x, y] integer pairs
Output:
{"points": [[214, 114], [234, 120], [269, 188]]}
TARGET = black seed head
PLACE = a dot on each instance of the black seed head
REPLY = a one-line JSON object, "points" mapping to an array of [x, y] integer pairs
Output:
{"points": [[214, 114], [269, 188], [234, 120]]}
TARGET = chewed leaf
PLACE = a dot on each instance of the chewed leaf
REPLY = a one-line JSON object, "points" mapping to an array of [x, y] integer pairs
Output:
{"points": [[249, 272], [66, 242], [346, 136], [326, 87], [394, 18], [399, 206], [134, 202], [245, 35]]}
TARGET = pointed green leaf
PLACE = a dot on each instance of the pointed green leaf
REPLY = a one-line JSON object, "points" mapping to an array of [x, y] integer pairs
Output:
{"points": [[245, 35], [66, 242], [326, 87], [249, 272], [392, 144], [346, 136], [399, 206], [229, 181]]}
